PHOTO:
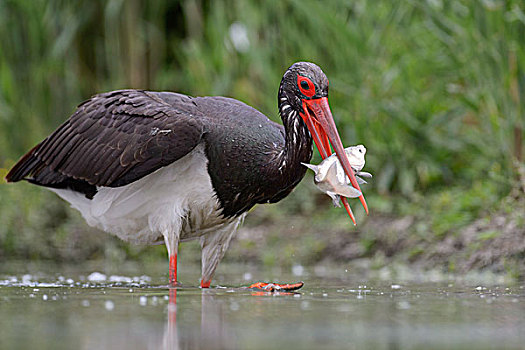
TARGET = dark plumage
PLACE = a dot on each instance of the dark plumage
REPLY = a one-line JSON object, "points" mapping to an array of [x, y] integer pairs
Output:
{"points": [[116, 138]]}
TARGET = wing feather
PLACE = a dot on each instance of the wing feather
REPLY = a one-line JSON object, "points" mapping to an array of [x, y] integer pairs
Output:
{"points": [[114, 139]]}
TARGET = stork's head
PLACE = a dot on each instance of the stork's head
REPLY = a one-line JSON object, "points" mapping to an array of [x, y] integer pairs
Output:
{"points": [[305, 88]]}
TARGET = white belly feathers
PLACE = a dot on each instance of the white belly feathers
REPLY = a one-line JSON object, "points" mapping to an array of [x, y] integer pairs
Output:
{"points": [[173, 199]]}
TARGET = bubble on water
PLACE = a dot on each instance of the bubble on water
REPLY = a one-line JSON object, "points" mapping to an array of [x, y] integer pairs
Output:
{"points": [[121, 279], [325, 295], [31, 295], [143, 301], [247, 276], [144, 279], [85, 303], [130, 290], [44, 297], [480, 288], [70, 281], [395, 286], [26, 279], [166, 297], [109, 305], [297, 295], [298, 270], [36, 289], [96, 277], [47, 285]]}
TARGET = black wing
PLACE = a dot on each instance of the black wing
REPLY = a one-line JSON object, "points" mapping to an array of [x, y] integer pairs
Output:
{"points": [[113, 139]]}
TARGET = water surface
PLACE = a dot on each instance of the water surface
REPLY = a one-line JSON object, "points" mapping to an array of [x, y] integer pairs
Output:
{"points": [[96, 307]]}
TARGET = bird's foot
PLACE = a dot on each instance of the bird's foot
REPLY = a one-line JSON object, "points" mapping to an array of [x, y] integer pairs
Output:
{"points": [[276, 287], [174, 284], [205, 284]]}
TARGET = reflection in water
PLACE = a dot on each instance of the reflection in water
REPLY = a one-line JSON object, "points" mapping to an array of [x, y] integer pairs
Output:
{"points": [[214, 330], [171, 336], [118, 312]]}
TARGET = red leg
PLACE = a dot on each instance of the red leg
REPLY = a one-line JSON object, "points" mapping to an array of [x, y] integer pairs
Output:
{"points": [[205, 284], [173, 270]]}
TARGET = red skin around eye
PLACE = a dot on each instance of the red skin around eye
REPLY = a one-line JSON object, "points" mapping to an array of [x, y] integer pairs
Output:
{"points": [[311, 88]]}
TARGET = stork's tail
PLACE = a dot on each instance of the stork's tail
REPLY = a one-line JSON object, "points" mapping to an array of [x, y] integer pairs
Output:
{"points": [[26, 166]]}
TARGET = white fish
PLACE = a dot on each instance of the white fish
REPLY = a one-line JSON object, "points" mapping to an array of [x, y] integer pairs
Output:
{"points": [[330, 176]]}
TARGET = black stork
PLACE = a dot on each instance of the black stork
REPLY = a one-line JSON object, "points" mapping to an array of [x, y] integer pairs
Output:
{"points": [[153, 167]]}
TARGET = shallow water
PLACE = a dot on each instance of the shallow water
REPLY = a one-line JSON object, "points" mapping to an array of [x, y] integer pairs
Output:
{"points": [[98, 307]]}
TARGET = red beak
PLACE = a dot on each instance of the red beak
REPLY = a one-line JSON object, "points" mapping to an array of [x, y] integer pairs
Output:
{"points": [[324, 132]]}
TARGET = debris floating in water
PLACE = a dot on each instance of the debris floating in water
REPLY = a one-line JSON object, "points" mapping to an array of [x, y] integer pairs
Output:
{"points": [[143, 300]]}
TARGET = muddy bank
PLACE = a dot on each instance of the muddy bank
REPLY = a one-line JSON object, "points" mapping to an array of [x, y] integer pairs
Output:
{"points": [[275, 236], [494, 242]]}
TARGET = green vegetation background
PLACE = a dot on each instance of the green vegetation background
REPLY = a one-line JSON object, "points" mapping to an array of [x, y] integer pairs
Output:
{"points": [[434, 89]]}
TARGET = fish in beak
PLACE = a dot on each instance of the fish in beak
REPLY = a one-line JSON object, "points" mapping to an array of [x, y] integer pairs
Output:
{"points": [[330, 176], [318, 118]]}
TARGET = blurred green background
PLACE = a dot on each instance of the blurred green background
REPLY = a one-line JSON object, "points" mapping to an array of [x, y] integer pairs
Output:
{"points": [[434, 89]]}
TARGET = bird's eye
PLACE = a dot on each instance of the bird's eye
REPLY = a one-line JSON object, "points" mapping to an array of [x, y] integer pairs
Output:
{"points": [[306, 86]]}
